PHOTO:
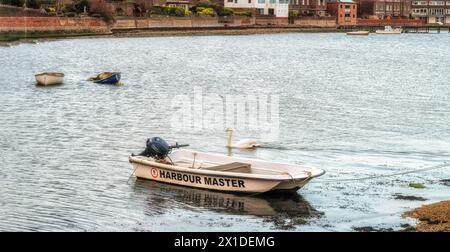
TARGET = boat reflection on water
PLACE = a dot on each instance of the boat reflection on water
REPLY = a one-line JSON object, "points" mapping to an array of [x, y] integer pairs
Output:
{"points": [[284, 210]]}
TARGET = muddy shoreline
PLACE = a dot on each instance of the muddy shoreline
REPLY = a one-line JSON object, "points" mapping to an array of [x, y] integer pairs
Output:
{"points": [[214, 31], [14, 38], [432, 218]]}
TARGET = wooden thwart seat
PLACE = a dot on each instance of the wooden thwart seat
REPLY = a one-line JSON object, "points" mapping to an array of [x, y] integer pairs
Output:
{"points": [[231, 167]]}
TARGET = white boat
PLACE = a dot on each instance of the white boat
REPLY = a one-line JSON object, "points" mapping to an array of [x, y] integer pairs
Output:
{"points": [[360, 33], [220, 172], [389, 30], [49, 78]]}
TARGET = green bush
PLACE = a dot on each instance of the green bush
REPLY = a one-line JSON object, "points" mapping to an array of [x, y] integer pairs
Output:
{"points": [[293, 13], [223, 12], [200, 7], [180, 12], [168, 11], [205, 11], [77, 7]]}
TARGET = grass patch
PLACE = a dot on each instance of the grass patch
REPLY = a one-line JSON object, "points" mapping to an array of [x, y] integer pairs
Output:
{"points": [[416, 185]]}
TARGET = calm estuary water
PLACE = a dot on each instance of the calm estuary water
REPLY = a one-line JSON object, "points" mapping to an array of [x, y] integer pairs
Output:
{"points": [[354, 106]]}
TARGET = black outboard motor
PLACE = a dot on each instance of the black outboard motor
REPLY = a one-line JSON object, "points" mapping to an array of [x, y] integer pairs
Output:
{"points": [[158, 148]]}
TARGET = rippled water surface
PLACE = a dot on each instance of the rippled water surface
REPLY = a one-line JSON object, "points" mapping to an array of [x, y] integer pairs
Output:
{"points": [[354, 106]]}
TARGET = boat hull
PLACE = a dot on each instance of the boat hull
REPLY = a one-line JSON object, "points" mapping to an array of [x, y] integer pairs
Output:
{"points": [[49, 79], [358, 33], [111, 80], [210, 182], [388, 32]]}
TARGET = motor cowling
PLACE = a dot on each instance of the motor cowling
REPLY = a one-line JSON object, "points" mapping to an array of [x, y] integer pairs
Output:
{"points": [[156, 148]]}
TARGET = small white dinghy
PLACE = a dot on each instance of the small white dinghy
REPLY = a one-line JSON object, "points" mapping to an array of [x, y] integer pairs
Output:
{"points": [[45, 79], [217, 172], [358, 33]]}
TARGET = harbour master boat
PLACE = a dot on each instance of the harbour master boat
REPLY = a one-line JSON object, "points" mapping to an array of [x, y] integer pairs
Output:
{"points": [[45, 79], [389, 30], [217, 172]]}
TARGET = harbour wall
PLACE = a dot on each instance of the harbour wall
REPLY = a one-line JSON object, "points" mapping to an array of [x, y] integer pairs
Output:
{"points": [[205, 22], [167, 22], [311, 22]]}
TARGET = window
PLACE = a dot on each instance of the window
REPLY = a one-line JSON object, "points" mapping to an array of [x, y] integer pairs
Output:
{"points": [[261, 1], [249, 1], [436, 12], [230, 1], [260, 11], [271, 11], [272, 1]]}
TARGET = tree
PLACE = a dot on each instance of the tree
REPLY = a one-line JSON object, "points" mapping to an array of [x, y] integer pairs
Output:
{"points": [[18, 3], [32, 4]]}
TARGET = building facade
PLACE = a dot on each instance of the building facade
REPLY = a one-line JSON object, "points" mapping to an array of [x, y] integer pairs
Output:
{"points": [[432, 11], [309, 7], [276, 8], [384, 9], [345, 11]]}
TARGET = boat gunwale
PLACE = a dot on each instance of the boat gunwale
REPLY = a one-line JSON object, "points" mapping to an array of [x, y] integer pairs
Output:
{"points": [[54, 74], [280, 178]]}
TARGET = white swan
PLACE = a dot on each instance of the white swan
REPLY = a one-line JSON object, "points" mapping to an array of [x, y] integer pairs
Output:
{"points": [[243, 144]]}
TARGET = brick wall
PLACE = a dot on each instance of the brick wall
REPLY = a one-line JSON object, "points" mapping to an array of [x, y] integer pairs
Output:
{"points": [[52, 24], [162, 22], [190, 22], [392, 22], [269, 20], [323, 22]]}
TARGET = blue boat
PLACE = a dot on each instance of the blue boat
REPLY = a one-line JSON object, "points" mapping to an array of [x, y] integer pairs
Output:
{"points": [[107, 78]]}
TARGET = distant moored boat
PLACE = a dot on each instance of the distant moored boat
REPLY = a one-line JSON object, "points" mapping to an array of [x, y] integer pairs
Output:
{"points": [[49, 78], [107, 78], [389, 30], [360, 33]]}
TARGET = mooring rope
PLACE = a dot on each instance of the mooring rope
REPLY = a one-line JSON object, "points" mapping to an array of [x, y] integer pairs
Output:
{"points": [[445, 165]]}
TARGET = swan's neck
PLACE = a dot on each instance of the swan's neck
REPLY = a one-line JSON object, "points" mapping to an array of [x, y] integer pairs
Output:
{"points": [[230, 139]]}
